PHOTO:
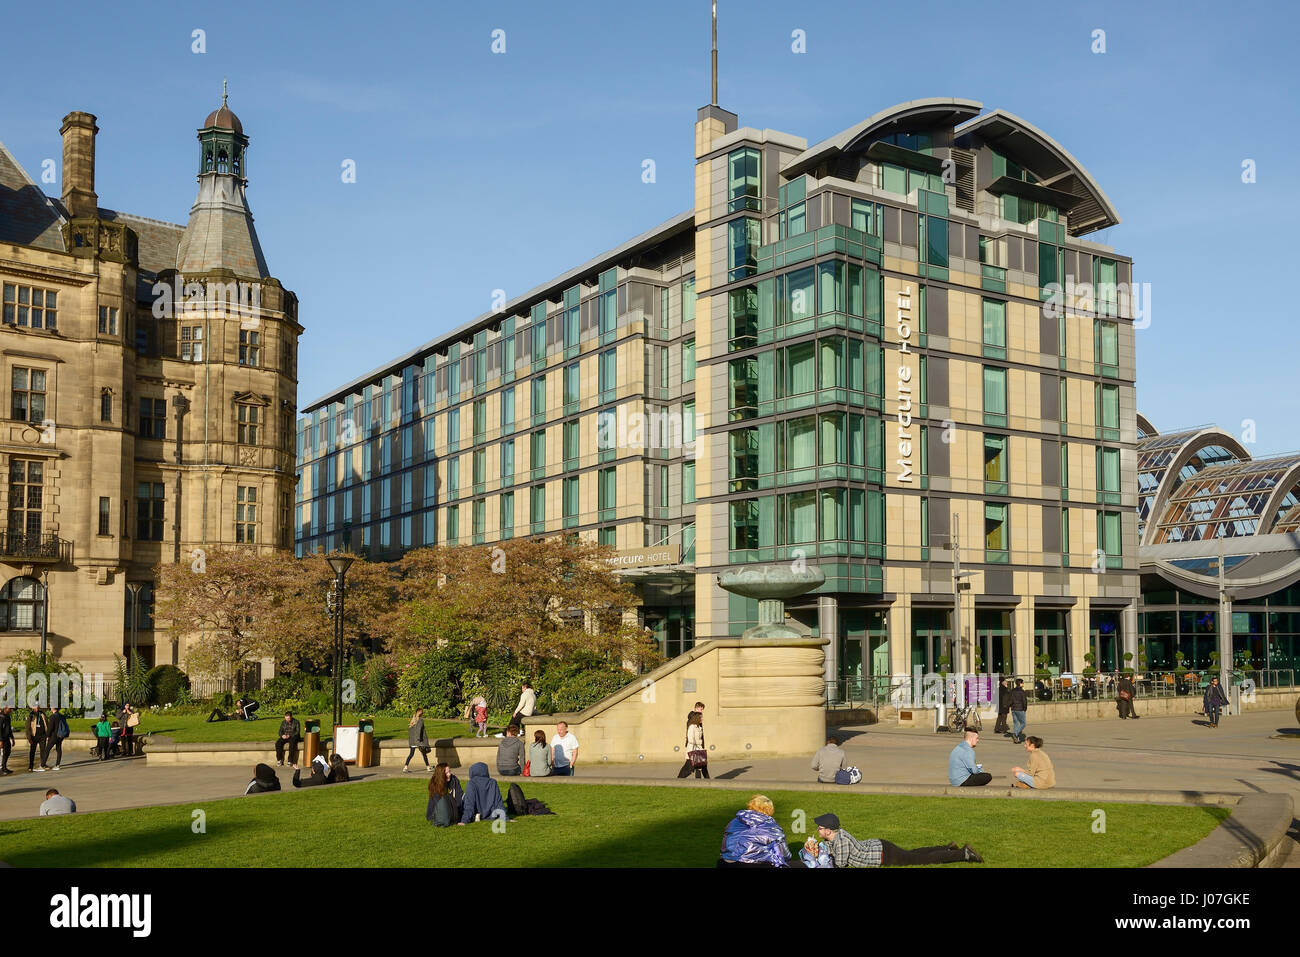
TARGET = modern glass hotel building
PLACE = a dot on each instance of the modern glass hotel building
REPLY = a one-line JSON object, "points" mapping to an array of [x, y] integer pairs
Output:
{"points": [[858, 355]]}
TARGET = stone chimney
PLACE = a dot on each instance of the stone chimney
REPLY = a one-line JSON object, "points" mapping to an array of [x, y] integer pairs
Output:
{"points": [[79, 196]]}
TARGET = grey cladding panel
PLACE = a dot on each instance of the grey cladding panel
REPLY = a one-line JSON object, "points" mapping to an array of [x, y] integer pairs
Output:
{"points": [[1049, 335], [937, 453], [1049, 389], [1014, 249], [893, 229], [1051, 464], [1051, 529], [936, 386], [909, 228], [936, 312]]}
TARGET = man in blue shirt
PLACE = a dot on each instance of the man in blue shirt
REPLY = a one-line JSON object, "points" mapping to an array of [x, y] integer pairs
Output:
{"points": [[963, 772]]}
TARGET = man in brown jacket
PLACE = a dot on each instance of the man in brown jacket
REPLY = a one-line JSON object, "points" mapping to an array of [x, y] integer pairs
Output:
{"points": [[1039, 774]]}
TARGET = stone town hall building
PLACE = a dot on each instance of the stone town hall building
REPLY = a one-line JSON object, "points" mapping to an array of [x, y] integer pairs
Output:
{"points": [[149, 373]]}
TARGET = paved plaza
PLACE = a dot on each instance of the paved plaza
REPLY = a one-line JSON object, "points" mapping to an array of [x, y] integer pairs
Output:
{"points": [[1176, 753]]}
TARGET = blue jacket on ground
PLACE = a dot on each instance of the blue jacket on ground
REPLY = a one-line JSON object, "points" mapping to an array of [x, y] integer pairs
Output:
{"points": [[961, 764], [482, 796], [753, 838]]}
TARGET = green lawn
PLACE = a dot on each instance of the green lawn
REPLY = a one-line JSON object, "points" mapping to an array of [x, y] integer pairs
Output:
{"points": [[195, 728], [381, 824]]}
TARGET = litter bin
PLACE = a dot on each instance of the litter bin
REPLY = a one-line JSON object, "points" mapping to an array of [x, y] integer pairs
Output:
{"points": [[366, 743], [310, 741]]}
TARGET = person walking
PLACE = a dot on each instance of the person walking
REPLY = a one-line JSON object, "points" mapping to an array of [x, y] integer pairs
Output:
{"points": [[1004, 707], [37, 731], [480, 717], [289, 736], [1038, 773], [6, 738], [539, 756], [963, 772], [1019, 704], [417, 738], [525, 707], [1213, 701], [1125, 692], [697, 757], [58, 730]]}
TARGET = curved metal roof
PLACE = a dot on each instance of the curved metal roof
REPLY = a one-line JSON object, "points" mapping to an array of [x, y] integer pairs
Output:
{"points": [[1165, 461], [1051, 162], [1225, 501], [914, 114]]}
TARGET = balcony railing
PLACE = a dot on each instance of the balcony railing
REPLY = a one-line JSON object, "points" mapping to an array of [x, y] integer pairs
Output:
{"points": [[37, 547]]}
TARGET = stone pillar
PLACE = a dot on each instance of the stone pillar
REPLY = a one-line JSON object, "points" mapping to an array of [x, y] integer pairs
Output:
{"points": [[1130, 636], [828, 626]]}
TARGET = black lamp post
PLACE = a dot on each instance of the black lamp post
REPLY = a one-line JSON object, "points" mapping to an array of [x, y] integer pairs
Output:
{"points": [[134, 589], [45, 611], [339, 564]]}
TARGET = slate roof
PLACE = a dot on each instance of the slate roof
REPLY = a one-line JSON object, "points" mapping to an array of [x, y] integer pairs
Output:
{"points": [[27, 217]]}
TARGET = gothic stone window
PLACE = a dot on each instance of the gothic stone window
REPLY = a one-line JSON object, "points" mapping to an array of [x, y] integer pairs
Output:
{"points": [[250, 348], [246, 514], [249, 418], [29, 395]]}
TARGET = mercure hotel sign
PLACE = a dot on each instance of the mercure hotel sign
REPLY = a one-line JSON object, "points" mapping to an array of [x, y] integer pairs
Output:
{"points": [[903, 393]]}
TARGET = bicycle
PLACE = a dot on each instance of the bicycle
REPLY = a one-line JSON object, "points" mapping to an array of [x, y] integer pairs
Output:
{"points": [[963, 719]]}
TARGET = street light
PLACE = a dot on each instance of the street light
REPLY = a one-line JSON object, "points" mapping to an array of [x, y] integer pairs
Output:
{"points": [[134, 589], [339, 564], [45, 610]]}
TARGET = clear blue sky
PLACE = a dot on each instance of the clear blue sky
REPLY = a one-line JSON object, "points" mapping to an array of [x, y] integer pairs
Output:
{"points": [[478, 171]]}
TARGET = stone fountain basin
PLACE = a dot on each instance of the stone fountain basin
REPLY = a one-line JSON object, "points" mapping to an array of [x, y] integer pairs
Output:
{"points": [[768, 582]]}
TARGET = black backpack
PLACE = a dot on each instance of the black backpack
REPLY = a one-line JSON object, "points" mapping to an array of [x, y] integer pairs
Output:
{"points": [[516, 806]]}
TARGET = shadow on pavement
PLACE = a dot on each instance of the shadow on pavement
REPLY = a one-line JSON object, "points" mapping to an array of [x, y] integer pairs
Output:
{"points": [[733, 773]]}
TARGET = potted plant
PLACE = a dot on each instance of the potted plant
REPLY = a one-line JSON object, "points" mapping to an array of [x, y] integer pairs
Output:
{"points": [[1089, 669], [1128, 664]]}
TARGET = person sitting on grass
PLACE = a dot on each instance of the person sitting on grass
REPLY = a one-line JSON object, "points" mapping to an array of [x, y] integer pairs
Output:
{"points": [[56, 803], [963, 772], [1039, 774], [445, 797], [753, 838], [264, 779], [482, 797], [845, 850], [219, 715], [333, 771]]}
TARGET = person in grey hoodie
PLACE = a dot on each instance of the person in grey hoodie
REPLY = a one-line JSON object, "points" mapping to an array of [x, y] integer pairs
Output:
{"points": [[482, 796], [829, 760], [510, 754], [416, 737]]}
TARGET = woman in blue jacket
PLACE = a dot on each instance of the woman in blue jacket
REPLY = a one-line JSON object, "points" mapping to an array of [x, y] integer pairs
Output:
{"points": [[753, 838]]}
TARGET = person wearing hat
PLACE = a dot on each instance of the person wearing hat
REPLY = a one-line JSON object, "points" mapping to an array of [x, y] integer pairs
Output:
{"points": [[845, 850], [264, 779]]}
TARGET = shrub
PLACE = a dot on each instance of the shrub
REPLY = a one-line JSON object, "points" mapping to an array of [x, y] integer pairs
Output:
{"points": [[376, 683], [167, 683], [578, 682], [132, 682], [434, 680]]}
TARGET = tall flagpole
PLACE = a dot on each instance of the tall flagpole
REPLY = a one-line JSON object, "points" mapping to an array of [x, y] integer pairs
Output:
{"points": [[715, 52]]}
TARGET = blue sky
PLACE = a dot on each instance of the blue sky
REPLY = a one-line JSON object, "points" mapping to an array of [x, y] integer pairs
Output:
{"points": [[478, 171]]}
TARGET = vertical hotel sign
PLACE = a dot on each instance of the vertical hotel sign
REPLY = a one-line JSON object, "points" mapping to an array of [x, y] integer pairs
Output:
{"points": [[904, 387]]}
